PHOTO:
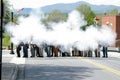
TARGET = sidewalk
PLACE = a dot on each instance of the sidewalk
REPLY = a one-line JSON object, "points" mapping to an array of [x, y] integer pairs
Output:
{"points": [[114, 54], [9, 71], [10, 65]]}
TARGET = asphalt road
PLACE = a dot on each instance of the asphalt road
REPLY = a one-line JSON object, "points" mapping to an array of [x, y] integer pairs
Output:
{"points": [[66, 68], [69, 68]]}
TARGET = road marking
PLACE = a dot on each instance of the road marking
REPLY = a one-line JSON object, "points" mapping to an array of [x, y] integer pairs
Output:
{"points": [[17, 60], [117, 72]]}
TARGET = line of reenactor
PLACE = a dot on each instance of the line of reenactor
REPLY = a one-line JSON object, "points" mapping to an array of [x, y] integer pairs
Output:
{"points": [[55, 51]]}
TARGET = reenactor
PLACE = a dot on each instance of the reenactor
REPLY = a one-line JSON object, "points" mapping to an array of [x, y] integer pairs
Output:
{"points": [[48, 50], [89, 53], [105, 55], [18, 49], [41, 51], [97, 51], [25, 50], [37, 50], [55, 51], [85, 53], [32, 50]]}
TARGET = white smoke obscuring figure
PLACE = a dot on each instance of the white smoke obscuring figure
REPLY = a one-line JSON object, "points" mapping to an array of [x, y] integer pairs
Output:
{"points": [[67, 34], [107, 37], [30, 26], [76, 20]]}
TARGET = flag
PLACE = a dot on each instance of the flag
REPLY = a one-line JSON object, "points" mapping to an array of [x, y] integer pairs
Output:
{"points": [[20, 10], [96, 20]]}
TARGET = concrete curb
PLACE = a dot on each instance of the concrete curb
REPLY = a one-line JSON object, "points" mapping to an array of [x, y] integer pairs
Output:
{"points": [[9, 71], [15, 73]]}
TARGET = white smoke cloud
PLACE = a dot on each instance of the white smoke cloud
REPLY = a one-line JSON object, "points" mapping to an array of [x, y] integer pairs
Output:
{"points": [[76, 20], [67, 34]]}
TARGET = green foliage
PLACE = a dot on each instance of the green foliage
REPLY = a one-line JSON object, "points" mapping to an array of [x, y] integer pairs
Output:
{"points": [[113, 12], [55, 16], [89, 15], [83, 27], [6, 40], [7, 13]]}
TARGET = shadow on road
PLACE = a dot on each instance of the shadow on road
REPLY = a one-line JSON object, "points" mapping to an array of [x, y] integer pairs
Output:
{"points": [[46, 72]]}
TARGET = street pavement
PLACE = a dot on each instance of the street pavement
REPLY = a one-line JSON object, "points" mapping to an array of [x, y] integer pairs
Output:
{"points": [[60, 68], [9, 71], [10, 65]]}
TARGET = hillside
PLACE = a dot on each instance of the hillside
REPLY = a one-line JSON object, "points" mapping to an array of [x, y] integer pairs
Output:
{"points": [[65, 8]]}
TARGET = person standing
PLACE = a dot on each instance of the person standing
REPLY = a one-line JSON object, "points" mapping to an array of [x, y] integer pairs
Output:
{"points": [[41, 51], [99, 49], [97, 53], [89, 53], [48, 50], [105, 54], [55, 51], [37, 51], [18, 49], [25, 50], [32, 50]]}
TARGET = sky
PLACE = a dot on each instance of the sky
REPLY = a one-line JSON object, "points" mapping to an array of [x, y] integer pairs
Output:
{"points": [[40, 3]]}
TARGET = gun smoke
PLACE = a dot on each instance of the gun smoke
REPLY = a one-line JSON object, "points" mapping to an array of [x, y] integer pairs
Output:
{"points": [[67, 34]]}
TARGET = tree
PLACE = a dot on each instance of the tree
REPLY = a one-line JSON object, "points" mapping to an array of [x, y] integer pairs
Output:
{"points": [[55, 16], [113, 12], [7, 13], [6, 20], [89, 15]]}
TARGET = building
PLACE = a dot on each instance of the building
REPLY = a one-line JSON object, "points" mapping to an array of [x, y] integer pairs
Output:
{"points": [[114, 23]]}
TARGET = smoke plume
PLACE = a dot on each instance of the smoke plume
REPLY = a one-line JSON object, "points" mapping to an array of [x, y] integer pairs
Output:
{"points": [[67, 34]]}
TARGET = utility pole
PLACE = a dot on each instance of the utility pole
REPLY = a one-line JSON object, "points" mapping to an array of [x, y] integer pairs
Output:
{"points": [[1, 22], [12, 52]]}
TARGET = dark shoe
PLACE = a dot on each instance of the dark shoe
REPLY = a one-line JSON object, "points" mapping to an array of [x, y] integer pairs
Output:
{"points": [[103, 56], [31, 56], [25, 56], [106, 56]]}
